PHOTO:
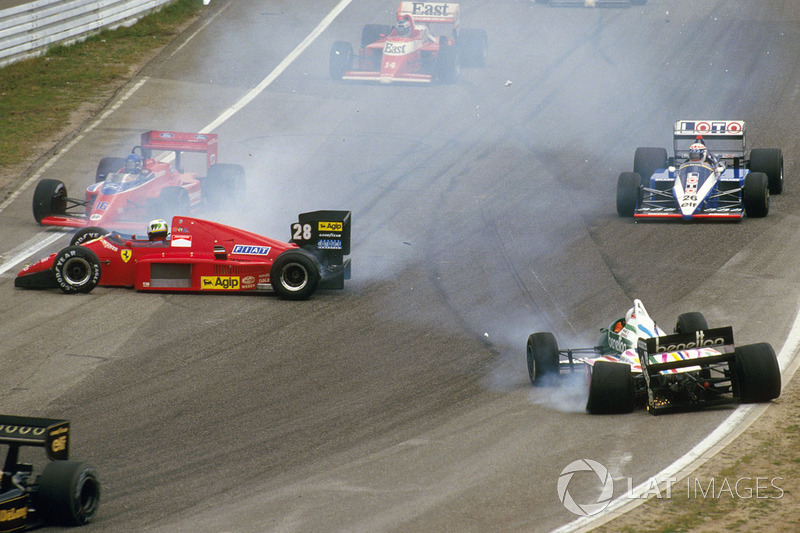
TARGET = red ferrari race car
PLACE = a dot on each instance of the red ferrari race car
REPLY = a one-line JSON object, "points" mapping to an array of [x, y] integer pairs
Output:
{"points": [[202, 256], [426, 44], [149, 183]]}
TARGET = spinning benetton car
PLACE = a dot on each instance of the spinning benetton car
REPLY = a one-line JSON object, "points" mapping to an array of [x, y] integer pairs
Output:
{"points": [[426, 44], [203, 256], [709, 177], [637, 363], [151, 182]]}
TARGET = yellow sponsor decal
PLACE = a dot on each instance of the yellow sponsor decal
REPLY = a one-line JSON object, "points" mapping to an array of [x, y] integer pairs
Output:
{"points": [[7, 515], [125, 254], [331, 226], [59, 444], [219, 283]]}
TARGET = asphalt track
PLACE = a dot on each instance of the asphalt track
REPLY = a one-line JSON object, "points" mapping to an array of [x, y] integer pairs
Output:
{"points": [[482, 212]]}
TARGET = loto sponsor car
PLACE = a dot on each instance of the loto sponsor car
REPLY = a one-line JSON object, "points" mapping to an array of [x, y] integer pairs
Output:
{"points": [[637, 363], [66, 493], [725, 183], [426, 44], [125, 196], [203, 256]]}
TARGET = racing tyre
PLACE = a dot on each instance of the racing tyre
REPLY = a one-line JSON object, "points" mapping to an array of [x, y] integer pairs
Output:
{"points": [[372, 32], [770, 162], [542, 358], [610, 389], [758, 376], [691, 322], [755, 196], [473, 47], [341, 59], [49, 198], [647, 160], [69, 493], [447, 65], [108, 165], [173, 201], [76, 269], [87, 234], [629, 193], [294, 276], [225, 185]]}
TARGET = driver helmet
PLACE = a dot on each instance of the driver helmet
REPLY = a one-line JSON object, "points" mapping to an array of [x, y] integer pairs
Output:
{"points": [[133, 164], [157, 230], [404, 26], [697, 152]]}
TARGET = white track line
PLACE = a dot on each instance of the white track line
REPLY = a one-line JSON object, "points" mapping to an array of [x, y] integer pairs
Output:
{"points": [[47, 238]]}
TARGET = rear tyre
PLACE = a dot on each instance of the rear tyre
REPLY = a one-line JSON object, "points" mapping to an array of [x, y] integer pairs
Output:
{"points": [[341, 59], [770, 162], [225, 185], [49, 198], [610, 389], [108, 165], [691, 322], [543, 358], [76, 269], [173, 201], [473, 47], [372, 32], [647, 160], [757, 373], [629, 193], [87, 234], [294, 276], [69, 493], [755, 196], [447, 65]]}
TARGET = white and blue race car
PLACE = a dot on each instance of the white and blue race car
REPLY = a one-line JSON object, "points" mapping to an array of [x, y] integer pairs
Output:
{"points": [[709, 177]]}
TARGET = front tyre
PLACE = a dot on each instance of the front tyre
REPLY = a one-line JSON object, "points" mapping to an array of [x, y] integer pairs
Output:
{"points": [[542, 358], [49, 198], [755, 196], [69, 493], [691, 323], [76, 269], [294, 276], [647, 160], [341, 59], [629, 193], [108, 165], [770, 162], [87, 234], [448, 67]]}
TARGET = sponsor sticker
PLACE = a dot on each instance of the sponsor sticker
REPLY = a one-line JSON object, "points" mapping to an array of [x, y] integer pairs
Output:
{"points": [[248, 249], [247, 280], [181, 241], [329, 244], [95, 217], [331, 226], [108, 245], [219, 283], [429, 9]]}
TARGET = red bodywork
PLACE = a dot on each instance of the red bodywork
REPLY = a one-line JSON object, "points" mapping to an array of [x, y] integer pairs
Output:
{"points": [[200, 256], [123, 201]]}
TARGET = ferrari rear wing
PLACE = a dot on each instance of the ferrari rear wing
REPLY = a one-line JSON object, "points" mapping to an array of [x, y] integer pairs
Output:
{"points": [[175, 141], [48, 433], [326, 234], [725, 138], [429, 12]]}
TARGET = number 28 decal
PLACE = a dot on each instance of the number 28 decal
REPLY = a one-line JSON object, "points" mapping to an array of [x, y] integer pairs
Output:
{"points": [[301, 232]]}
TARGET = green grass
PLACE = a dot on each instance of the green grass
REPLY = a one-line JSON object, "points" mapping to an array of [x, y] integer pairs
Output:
{"points": [[38, 95]]}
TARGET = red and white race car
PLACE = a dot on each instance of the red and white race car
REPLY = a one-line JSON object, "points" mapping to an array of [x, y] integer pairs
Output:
{"points": [[151, 182], [427, 43], [203, 256]]}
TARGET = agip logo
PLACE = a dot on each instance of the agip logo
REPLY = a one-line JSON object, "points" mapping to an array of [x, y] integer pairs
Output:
{"points": [[331, 226], [219, 283], [606, 492]]}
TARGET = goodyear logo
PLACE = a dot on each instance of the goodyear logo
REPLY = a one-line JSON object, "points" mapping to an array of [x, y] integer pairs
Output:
{"points": [[331, 226], [246, 249], [329, 244], [219, 283]]}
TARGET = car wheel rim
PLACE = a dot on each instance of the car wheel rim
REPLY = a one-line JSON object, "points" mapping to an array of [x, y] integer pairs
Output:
{"points": [[77, 271], [294, 277]]}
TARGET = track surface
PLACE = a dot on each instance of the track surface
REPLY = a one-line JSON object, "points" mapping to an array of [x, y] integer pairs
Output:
{"points": [[482, 212]]}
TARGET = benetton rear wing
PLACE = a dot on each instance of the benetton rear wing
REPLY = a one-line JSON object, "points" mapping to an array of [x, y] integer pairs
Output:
{"points": [[682, 350], [48, 433]]}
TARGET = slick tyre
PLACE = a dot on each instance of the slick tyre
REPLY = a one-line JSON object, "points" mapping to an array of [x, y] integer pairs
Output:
{"points": [[173, 201], [341, 59], [473, 47], [610, 389], [69, 493], [542, 355], [757, 374], [647, 160], [76, 269], [294, 276], [49, 198], [691, 322], [372, 32], [448, 67], [629, 193], [108, 165], [87, 234], [770, 162], [755, 195]]}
